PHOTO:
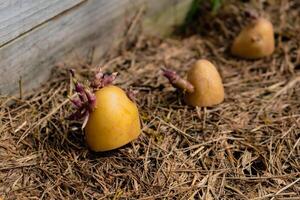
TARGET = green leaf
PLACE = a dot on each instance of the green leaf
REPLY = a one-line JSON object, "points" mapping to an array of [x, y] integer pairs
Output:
{"points": [[192, 11], [216, 4]]}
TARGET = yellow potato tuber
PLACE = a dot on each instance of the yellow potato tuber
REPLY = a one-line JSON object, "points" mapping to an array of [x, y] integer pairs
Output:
{"points": [[203, 87], [114, 122], [111, 118], [255, 41]]}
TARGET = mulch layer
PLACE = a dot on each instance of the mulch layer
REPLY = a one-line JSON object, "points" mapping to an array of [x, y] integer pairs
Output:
{"points": [[248, 147]]}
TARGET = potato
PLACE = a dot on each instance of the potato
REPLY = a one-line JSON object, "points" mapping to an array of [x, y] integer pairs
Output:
{"points": [[208, 86], [203, 87], [255, 41], [114, 121]]}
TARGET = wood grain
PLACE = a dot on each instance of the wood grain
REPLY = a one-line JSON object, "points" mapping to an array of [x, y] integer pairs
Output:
{"points": [[20, 16], [94, 24]]}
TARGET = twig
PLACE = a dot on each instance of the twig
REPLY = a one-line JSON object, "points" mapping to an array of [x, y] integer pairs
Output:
{"points": [[284, 188], [288, 86], [20, 88], [236, 190], [177, 129], [55, 110]]}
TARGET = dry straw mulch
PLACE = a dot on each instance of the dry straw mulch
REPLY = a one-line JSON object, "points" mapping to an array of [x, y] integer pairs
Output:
{"points": [[245, 148]]}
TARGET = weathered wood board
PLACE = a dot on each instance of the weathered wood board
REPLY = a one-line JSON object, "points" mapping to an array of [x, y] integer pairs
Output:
{"points": [[31, 43], [20, 16]]}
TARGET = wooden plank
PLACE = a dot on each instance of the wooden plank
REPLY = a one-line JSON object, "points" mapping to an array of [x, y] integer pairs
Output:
{"points": [[20, 16], [95, 23], [90, 22]]}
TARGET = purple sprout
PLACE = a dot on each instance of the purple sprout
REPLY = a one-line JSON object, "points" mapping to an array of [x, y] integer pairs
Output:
{"points": [[170, 74]]}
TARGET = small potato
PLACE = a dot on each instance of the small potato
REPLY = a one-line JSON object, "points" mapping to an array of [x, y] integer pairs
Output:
{"points": [[114, 121], [208, 86], [255, 41], [203, 87], [111, 118]]}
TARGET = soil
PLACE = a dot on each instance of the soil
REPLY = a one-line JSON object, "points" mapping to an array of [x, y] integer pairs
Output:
{"points": [[248, 147]]}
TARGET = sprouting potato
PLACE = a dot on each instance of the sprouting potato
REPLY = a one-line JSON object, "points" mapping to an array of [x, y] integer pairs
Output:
{"points": [[111, 118], [114, 121], [203, 87]]}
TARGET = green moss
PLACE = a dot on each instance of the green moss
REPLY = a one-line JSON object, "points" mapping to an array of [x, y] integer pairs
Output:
{"points": [[179, 15], [171, 17], [216, 4]]}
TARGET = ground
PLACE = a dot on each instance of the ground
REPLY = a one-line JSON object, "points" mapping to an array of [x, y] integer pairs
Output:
{"points": [[248, 147]]}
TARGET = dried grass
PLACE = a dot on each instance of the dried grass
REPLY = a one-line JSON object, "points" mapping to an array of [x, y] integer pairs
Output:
{"points": [[246, 148]]}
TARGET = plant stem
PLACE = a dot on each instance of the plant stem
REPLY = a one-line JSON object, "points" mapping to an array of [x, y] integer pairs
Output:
{"points": [[177, 81]]}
